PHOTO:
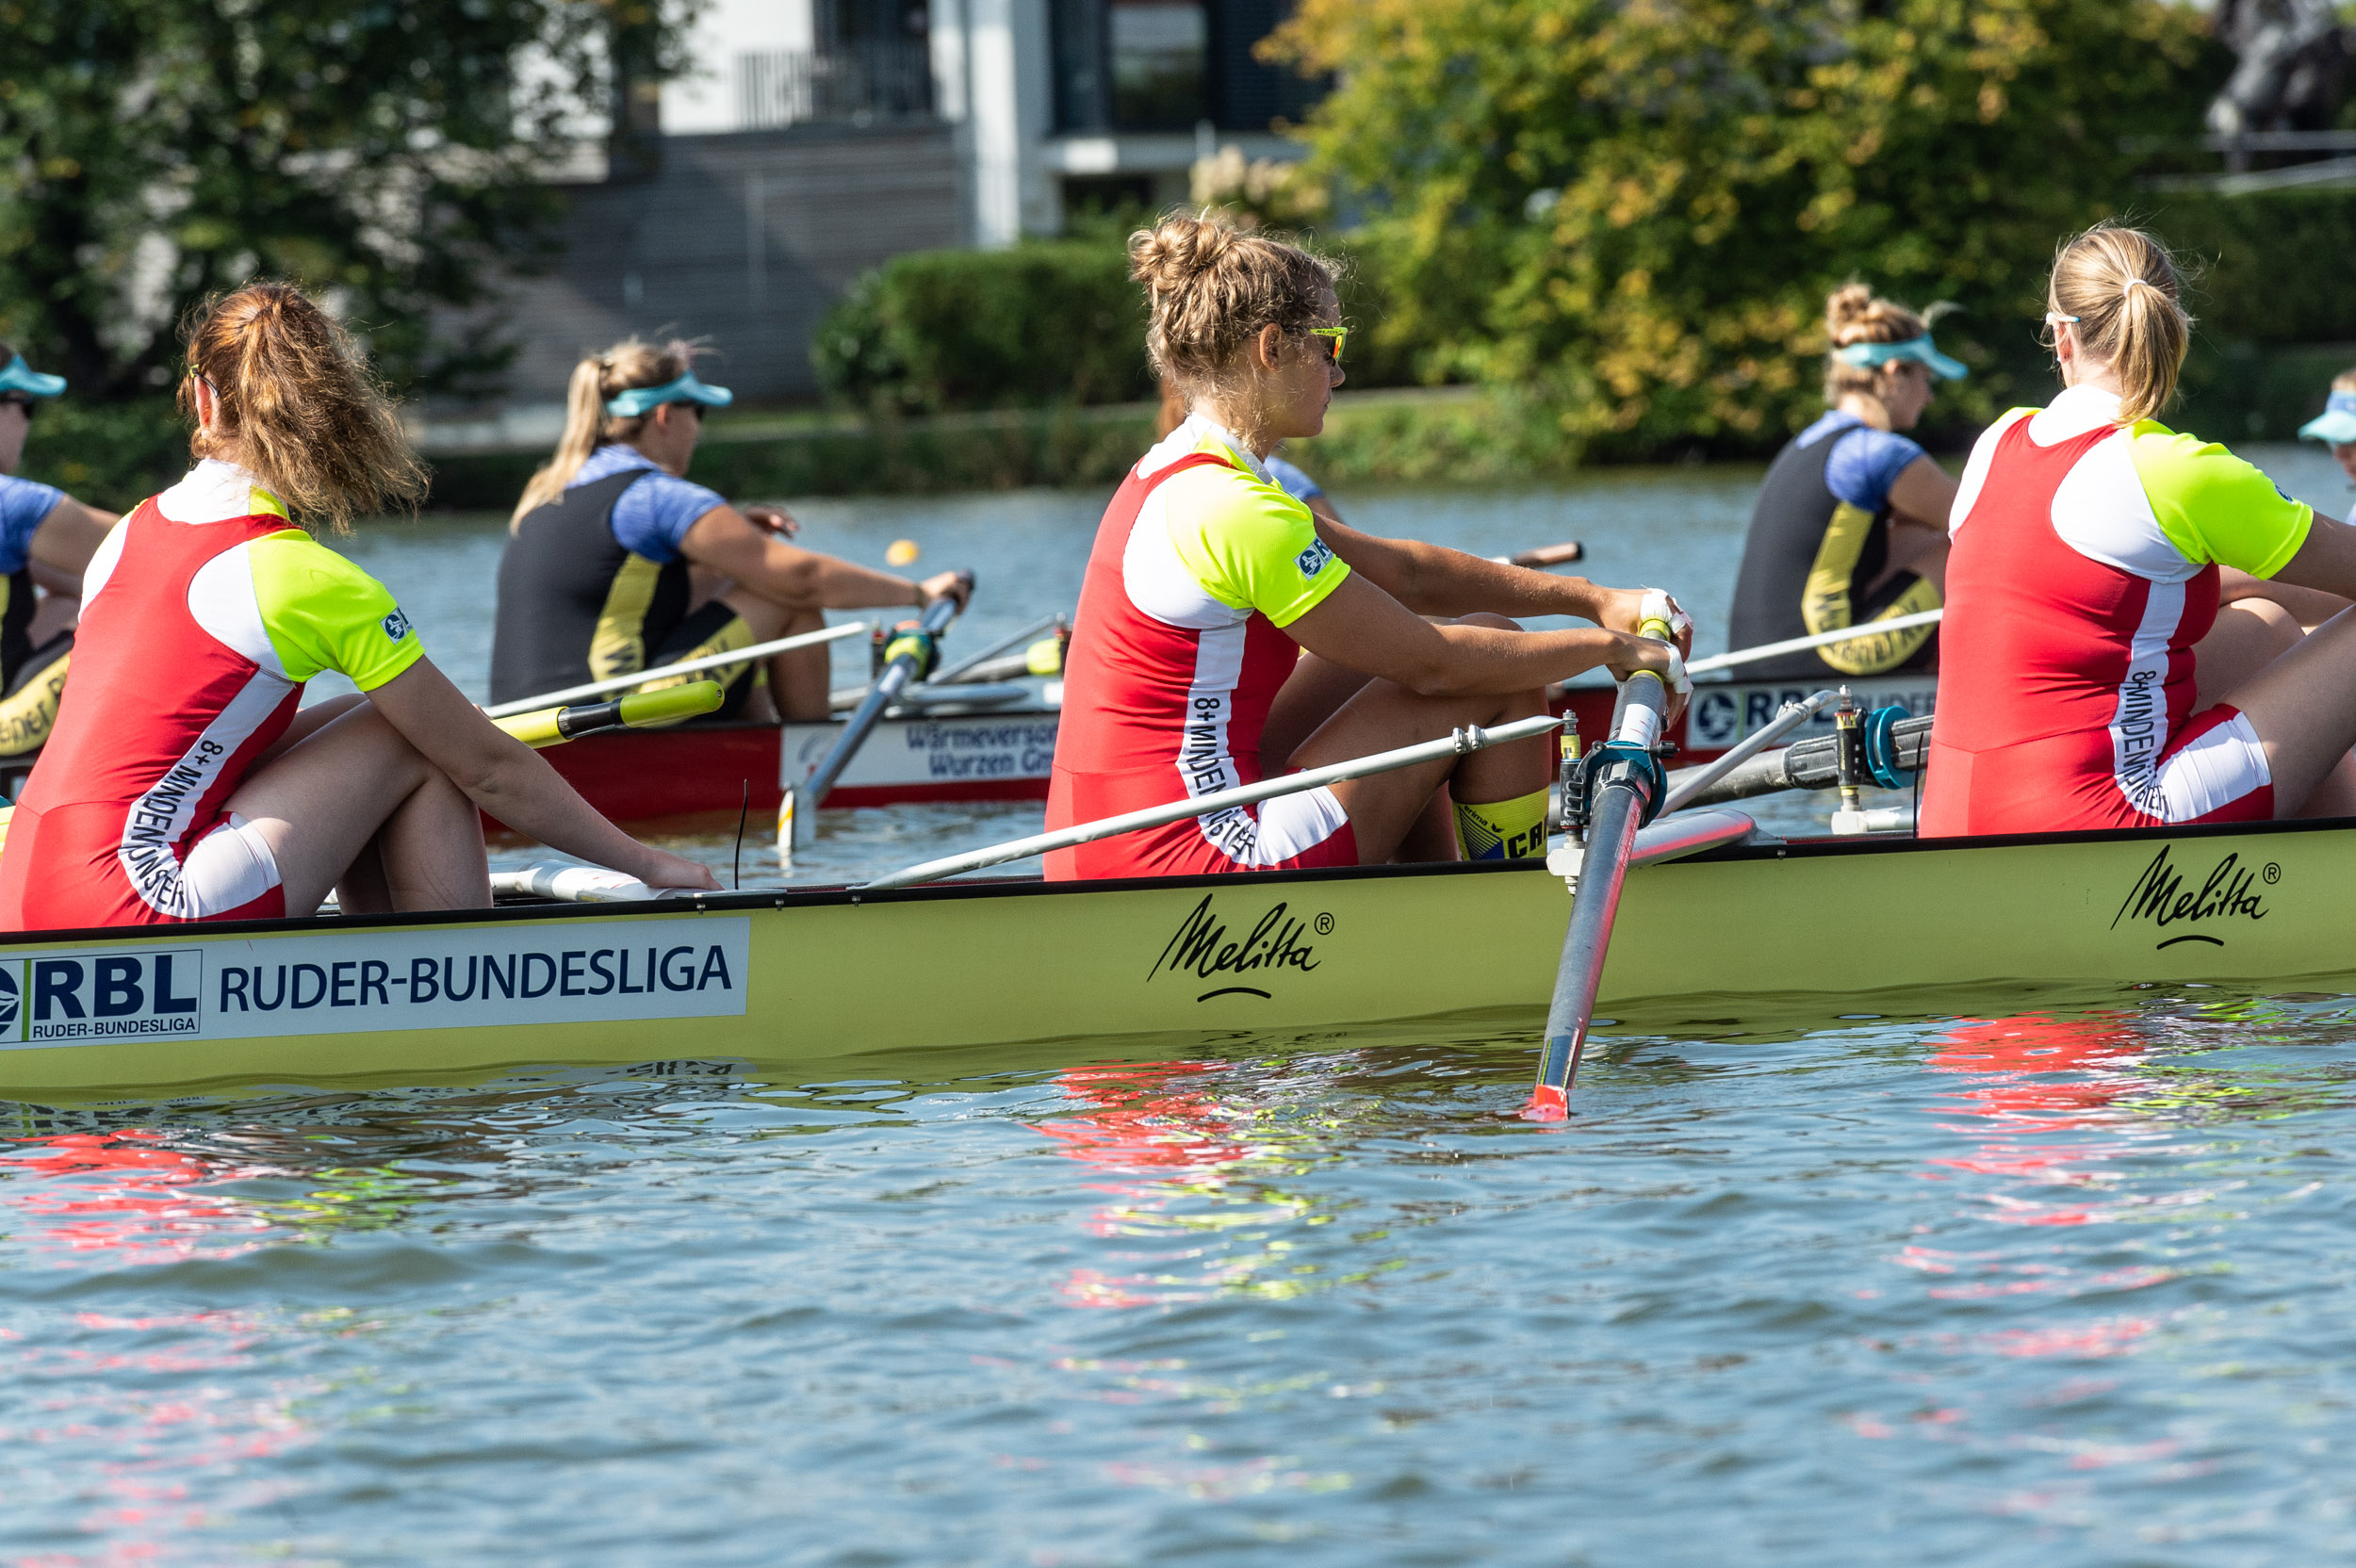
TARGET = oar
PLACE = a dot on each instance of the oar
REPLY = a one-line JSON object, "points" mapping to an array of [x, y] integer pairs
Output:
{"points": [[1545, 556], [685, 666], [964, 668], [1626, 775], [1688, 783], [797, 813], [1820, 640], [552, 727], [1470, 739]]}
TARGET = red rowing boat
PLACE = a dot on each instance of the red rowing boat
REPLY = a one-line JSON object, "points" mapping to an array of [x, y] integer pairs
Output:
{"points": [[711, 770]]}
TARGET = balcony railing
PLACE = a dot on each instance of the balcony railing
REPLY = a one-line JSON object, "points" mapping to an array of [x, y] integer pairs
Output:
{"points": [[861, 85]]}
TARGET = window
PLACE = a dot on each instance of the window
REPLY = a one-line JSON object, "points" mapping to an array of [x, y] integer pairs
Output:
{"points": [[1159, 49]]}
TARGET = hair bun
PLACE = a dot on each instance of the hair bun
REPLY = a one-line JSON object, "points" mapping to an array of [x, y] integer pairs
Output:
{"points": [[1847, 312], [1177, 250]]}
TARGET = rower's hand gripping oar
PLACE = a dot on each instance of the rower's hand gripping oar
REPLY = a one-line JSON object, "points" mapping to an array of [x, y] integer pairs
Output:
{"points": [[1624, 788], [910, 655], [552, 727]]}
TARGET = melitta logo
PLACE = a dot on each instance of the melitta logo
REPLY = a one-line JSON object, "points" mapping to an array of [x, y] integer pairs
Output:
{"points": [[107, 996], [2228, 892], [1202, 948]]}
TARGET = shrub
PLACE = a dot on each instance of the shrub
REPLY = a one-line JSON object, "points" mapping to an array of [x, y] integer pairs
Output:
{"points": [[1045, 323], [112, 455]]}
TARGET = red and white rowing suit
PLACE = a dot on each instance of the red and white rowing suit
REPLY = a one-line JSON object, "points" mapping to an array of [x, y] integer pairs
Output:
{"points": [[2084, 569], [203, 615], [1177, 651]]}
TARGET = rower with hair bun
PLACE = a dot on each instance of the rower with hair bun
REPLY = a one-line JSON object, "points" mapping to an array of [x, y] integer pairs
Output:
{"points": [[47, 541], [2336, 427], [1209, 584], [2125, 604], [181, 782], [1850, 526], [615, 562]]}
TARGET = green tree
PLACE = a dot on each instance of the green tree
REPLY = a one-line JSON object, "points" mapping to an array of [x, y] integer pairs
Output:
{"points": [[394, 154], [1632, 209]]}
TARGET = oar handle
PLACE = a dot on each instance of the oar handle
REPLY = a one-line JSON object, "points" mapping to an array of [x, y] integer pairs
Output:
{"points": [[1548, 555], [552, 727]]}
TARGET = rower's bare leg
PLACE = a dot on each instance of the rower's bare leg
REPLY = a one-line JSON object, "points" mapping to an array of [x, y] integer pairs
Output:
{"points": [[2300, 705], [1385, 808], [798, 680], [1313, 694], [347, 789]]}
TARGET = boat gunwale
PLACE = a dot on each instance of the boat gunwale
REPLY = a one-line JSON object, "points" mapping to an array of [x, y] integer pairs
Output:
{"points": [[835, 895]]}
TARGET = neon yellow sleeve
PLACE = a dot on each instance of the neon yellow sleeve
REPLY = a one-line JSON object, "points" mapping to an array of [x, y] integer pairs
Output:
{"points": [[1250, 545], [2213, 506], [322, 612]]}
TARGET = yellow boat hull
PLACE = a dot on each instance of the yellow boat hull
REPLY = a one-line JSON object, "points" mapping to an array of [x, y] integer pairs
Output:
{"points": [[810, 977]]}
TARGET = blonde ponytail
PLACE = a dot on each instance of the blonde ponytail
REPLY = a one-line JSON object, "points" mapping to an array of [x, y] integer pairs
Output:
{"points": [[2123, 288], [587, 426], [295, 404]]}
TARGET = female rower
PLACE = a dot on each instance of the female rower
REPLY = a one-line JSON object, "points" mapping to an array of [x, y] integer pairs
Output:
{"points": [[1850, 526], [1207, 580], [615, 564], [2336, 427], [2093, 680], [46, 539], [1288, 477], [181, 782]]}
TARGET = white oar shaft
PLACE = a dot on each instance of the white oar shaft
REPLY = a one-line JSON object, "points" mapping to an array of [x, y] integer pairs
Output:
{"points": [[1793, 715], [1473, 738], [685, 666], [1820, 640]]}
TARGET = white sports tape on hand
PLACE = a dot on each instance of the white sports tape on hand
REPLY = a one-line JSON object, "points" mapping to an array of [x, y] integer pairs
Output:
{"points": [[1659, 606], [1679, 682]]}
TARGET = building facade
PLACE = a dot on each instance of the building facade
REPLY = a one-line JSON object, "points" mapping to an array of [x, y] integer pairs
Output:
{"points": [[816, 138]]}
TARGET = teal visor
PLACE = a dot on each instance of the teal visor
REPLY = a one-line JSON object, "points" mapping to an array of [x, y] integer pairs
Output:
{"points": [[21, 377], [1920, 350], [2337, 424], [687, 390]]}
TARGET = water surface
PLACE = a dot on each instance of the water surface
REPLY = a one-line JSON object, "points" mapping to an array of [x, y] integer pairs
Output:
{"points": [[1987, 1279]]}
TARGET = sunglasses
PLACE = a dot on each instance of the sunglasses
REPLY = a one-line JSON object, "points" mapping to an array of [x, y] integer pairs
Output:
{"points": [[1333, 337], [27, 404]]}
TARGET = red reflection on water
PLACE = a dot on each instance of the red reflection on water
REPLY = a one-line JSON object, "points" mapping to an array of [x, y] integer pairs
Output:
{"points": [[1151, 1126], [2011, 1062], [122, 1191]]}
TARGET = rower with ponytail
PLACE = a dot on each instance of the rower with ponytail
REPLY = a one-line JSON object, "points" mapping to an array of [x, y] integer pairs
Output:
{"points": [[184, 780], [2126, 605], [616, 563], [1225, 631]]}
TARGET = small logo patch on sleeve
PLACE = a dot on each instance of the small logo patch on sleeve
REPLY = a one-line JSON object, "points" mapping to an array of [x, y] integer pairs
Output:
{"points": [[397, 625], [1312, 561]]}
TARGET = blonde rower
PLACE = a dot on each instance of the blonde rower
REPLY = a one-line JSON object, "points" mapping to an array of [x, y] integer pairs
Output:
{"points": [[618, 563], [1207, 583], [181, 783]]}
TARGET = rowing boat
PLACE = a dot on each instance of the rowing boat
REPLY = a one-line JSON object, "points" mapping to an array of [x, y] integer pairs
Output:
{"points": [[962, 754], [812, 975]]}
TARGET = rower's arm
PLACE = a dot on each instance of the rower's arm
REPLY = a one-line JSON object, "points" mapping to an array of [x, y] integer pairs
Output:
{"points": [[1923, 494], [2321, 576], [786, 574], [1361, 628], [65, 540], [1430, 579], [2308, 606], [514, 783]]}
